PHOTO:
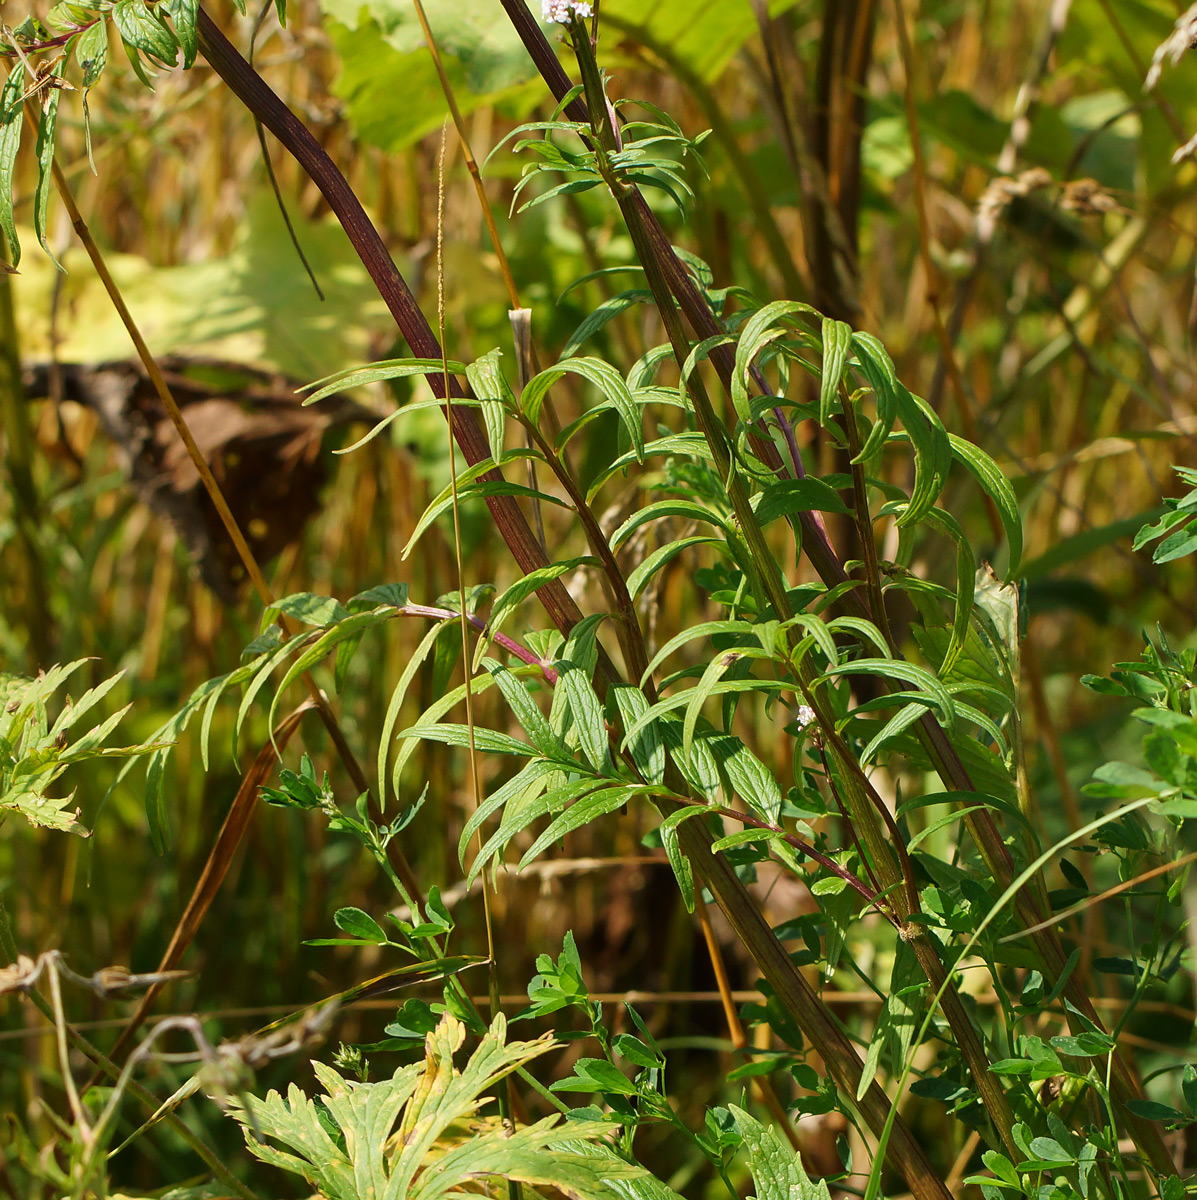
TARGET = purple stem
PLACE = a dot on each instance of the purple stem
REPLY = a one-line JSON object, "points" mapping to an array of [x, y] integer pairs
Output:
{"points": [[508, 644]]}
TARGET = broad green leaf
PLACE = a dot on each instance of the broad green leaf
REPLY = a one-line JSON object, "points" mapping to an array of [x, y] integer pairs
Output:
{"points": [[750, 779], [184, 15], [142, 30], [776, 1168]]}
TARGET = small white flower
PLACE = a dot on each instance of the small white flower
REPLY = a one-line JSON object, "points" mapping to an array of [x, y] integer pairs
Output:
{"points": [[806, 716], [561, 12]]}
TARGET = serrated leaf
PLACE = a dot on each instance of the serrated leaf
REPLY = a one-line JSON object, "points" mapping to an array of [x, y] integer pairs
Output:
{"points": [[646, 749], [418, 1134], [141, 30], [777, 1169]]}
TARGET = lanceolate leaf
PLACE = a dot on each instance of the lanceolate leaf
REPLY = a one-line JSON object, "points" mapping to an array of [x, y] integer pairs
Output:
{"points": [[11, 122], [997, 487], [582, 812], [648, 754], [837, 342], [763, 327], [490, 387], [644, 571], [519, 784], [903, 672], [526, 711], [604, 313], [605, 377], [45, 160], [878, 369], [932, 454]]}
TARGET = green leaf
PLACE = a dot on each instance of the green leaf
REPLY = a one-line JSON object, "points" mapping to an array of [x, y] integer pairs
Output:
{"points": [[11, 113], [761, 329], [488, 740], [648, 566], [526, 805], [997, 487], [837, 342], [607, 311], [141, 30], [666, 508], [750, 779], [91, 51], [646, 748], [470, 486], [522, 783], [519, 591], [932, 454], [605, 377], [492, 391], [903, 672], [574, 667], [877, 367], [396, 1135], [584, 810], [777, 1169], [359, 924], [789, 496], [184, 14], [1150, 1110], [526, 711]]}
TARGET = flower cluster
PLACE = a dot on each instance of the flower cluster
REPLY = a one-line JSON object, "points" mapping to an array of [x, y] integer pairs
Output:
{"points": [[561, 12]]}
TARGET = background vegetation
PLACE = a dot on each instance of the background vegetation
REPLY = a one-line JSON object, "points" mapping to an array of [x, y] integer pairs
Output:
{"points": [[987, 188]]}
